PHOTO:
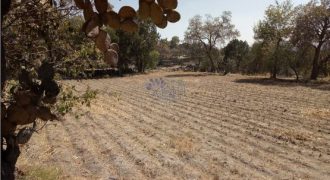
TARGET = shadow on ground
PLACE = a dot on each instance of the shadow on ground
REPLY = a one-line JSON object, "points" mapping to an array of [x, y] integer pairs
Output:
{"points": [[188, 75], [320, 85]]}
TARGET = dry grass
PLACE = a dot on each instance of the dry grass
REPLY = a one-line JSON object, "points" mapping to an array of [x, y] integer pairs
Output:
{"points": [[293, 135], [184, 145], [39, 173], [317, 113]]}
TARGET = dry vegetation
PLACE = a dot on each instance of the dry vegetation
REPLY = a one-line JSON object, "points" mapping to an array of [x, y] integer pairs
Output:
{"points": [[223, 128]]}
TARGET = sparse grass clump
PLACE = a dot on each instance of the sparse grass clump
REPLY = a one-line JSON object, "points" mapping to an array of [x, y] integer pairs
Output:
{"points": [[40, 173], [184, 146], [317, 113]]}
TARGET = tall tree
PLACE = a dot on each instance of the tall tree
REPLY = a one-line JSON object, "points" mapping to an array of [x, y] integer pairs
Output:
{"points": [[236, 50], [313, 29], [137, 46], [210, 33], [164, 50], [174, 42], [275, 28], [256, 59]]}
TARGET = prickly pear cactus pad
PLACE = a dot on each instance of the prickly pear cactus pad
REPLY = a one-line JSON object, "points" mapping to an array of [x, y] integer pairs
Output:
{"points": [[127, 19]]}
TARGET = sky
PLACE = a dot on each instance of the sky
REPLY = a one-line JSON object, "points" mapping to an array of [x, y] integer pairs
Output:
{"points": [[245, 14]]}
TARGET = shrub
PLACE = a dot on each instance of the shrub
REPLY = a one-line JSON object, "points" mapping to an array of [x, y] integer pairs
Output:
{"points": [[153, 59]]}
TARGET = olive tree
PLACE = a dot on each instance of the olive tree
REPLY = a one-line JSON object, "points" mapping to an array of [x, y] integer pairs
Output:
{"points": [[236, 50], [211, 33], [274, 29], [312, 28]]}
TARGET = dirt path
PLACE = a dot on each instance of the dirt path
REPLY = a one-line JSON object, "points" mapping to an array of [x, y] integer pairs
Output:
{"points": [[220, 128]]}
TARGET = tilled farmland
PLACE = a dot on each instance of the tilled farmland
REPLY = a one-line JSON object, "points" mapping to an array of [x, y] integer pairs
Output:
{"points": [[217, 127]]}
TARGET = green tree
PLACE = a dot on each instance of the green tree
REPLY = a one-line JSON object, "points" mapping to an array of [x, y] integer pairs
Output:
{"points": [[297, 59], [174, 42], [137, 46], [312, 28], [153, 59], [211, 33], [236, 50], [164, 50], [256, 61], [274, 29]]}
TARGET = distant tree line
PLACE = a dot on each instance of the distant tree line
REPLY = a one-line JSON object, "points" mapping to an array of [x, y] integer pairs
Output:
{"points": [[288, 41]]}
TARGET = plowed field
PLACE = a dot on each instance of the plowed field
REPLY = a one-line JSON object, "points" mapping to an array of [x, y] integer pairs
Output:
{"points": [[221, 127]]}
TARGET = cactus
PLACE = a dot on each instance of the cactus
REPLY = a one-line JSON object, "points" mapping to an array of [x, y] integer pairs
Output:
{"points": [[160, 13], [38, 92]]}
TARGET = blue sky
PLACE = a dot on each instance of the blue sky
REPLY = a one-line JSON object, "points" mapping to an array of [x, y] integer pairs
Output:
{"points": [[245, 14]]}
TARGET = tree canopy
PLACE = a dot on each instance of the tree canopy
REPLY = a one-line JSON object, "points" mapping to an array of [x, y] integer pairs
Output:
{"points": [[236, 50], [313, 29], [174, 42], [275, 28], [211, 33]]}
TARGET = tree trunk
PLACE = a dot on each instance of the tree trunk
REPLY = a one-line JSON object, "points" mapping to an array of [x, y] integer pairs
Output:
{"points": [[316, 63], [140, 65], [326, 69], [48, 43], [3, 67], [295, 72], [143, 66], [226, 68], [5, 6], [316, 67], [211, 61], [208, 51], [238, 64], [274, 72], [198, 65], [275, 68], [9, 155]]}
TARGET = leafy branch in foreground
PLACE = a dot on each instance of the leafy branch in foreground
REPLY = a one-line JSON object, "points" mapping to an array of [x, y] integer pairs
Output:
{"points": [[38, 95], [69, 99]]}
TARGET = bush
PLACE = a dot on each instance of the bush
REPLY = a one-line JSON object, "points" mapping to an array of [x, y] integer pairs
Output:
{"points": [[153, 59]]}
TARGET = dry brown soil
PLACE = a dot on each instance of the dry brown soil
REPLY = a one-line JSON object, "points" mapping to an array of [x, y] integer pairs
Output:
{"points": [[224, 127]]}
